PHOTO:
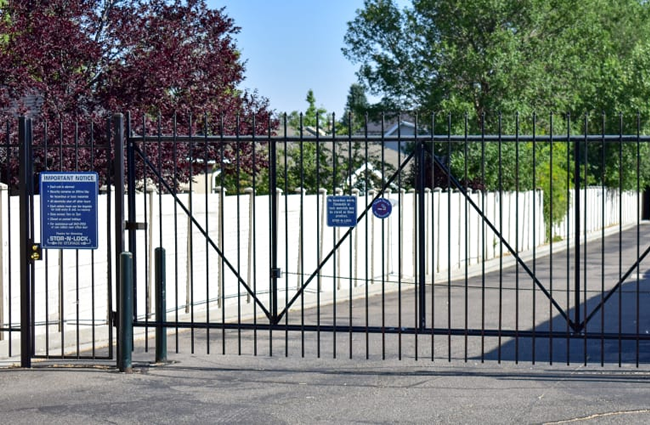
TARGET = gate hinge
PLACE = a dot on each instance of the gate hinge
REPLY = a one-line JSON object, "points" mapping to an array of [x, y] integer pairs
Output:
{"points": [[133, 225], [276, 273]]}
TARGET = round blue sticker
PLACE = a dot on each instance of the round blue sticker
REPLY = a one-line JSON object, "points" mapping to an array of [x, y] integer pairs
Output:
{"points": [[382, 208]]}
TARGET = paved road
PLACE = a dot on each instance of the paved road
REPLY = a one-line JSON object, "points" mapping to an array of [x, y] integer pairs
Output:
{"points": [[262, 390]]}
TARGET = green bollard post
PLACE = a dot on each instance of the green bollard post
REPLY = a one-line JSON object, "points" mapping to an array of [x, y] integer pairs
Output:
{"points": [[161, 306], [125, 324]]}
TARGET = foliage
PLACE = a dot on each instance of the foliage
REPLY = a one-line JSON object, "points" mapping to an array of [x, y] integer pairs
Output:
{"points": [[313, 118], [488, 56], [172, 62], [487, 59], [356, 107], [319, 159]]}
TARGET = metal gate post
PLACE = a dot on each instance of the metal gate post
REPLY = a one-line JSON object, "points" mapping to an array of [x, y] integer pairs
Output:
{"points": [[161, 306], [125, 328], [275, 271], [26, 186], [118, 179]]}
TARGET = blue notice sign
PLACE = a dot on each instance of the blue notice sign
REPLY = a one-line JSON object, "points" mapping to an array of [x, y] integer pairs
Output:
{"points": [[69, 210], [382, 208], [341, 211]]}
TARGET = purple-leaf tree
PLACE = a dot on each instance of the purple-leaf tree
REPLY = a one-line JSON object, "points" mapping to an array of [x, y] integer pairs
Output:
{"points": [[172, 64]]}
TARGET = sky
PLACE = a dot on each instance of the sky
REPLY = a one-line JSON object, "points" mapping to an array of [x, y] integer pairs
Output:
{"points": [[291, 46]]}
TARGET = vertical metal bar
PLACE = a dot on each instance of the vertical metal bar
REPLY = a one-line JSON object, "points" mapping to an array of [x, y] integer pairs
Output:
{"points": [[253, 227], [238, 225], [221, 193], [92, 253], [351, 251], [368, 279], [147, 243], [466, 241], [161, 305], [483, 237], [109, 235], [161, 332], [534, 291], [131, 199], [517, 237], [10, 231], [60, 252], [30, 218], [190, 236], [118, 181], [273, 224], [568, 239], [47, 258], [638, 237], [550, 257], [319, 234], [77, 303], [383, 240], [586, 230], [286, 242], [500, 147], [301, 245], [449, 304], [422, 227], [334, 242], [433, 234], [176, 262], [620, 236], [206, 227], [26, 191], [602, 240], [125, 328], [577, 211]]}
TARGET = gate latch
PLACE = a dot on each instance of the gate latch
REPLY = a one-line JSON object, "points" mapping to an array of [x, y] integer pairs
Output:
{"points": [[276, 273], [36, 252]]}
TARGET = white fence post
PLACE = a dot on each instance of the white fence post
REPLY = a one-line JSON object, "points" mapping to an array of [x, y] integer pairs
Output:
{"points": [[371, 195], [356, 193], [150, 195], [302, 193], [221, 193], [323, 194], [251, 220]]}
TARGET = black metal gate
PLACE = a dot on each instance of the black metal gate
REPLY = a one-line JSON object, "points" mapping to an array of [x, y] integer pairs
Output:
{"points": [[505, 247], [414, 240], [58, 301]]}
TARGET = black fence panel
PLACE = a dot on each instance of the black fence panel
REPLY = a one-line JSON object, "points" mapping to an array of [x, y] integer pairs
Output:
{"points": [[520, 242], [415, 237]]}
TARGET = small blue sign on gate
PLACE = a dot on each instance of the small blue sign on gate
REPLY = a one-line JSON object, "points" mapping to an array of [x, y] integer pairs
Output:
{"points": [[382, 208], [342, 211], [69, 210]]}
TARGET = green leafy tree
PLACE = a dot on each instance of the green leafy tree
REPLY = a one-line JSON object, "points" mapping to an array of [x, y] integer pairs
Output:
{"points": [[488, 56], [314, 117], [484, 58], [356, 107]]}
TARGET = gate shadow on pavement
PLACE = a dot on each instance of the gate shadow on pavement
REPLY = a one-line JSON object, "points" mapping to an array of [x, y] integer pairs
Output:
{"points": [[619, 316]]}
